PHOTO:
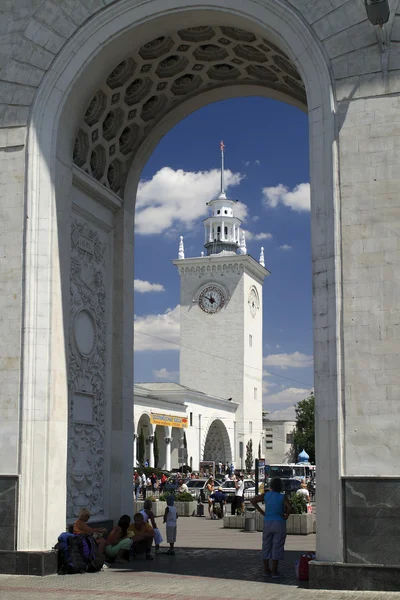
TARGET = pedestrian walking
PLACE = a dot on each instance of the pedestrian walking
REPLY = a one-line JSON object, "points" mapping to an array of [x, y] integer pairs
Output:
{"points": [[170, 520], [153, 479], [210, 490], [276, 513]]}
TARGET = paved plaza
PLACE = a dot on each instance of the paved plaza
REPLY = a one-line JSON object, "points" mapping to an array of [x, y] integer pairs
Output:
{"points": [[210, 562]]}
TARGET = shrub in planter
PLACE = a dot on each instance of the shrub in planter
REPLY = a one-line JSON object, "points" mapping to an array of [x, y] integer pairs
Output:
{"points": [[183, 497], [163, 497], [299, 504]]}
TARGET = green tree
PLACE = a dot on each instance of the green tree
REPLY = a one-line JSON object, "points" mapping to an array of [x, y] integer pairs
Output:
{"points": [[304, 434], [249, 456], [156, 451], [141, 448]]}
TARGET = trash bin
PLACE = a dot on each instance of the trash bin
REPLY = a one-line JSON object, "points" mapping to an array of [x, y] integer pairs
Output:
{"points": [[250, 519]]}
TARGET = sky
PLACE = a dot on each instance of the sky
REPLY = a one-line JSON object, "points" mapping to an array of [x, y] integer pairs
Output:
{"points": [[267, 169]]}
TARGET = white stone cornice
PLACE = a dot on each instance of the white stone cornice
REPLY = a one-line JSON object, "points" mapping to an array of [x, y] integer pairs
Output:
{"points": [[95, 190], [216, 264]]}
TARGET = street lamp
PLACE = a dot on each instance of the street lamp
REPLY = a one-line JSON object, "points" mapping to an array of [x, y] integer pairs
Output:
{"points": [[377, 11]]}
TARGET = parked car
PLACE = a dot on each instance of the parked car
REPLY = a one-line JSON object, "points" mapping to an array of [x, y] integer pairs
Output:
{"points": [[229, 487], [198, 488], [290, 486]]}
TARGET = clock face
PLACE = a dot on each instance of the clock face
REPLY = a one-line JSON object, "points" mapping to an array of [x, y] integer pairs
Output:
{"points": [[254, 301], [211, 299]]}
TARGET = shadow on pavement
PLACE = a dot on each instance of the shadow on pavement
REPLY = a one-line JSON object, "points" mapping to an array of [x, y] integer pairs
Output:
{"points": [[236, 565]]}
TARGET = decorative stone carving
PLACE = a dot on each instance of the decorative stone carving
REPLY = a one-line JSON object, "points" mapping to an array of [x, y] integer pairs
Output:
{"points": [[171, 66], [168, 440], [96, 108], [250, 53], [223, 72], [121, 74], [87, 366], [137, 90], [160, 75], [156, 48], [210, 53], [153, 107], [150, 439], [197, 34], [81, 148], [238, 34], [112, 123], [186, 84]]}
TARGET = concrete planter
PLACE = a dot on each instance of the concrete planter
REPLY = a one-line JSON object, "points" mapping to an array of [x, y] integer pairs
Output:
{"points": [[295, 525], [158, 507], [186, 509], [234, 522]]}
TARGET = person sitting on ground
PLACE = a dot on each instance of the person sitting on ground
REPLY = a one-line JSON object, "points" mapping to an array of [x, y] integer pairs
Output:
{"points": [[303, 491], [218, 497], [170, 519], [118, 543], [141, 535], [148, 515], [277, 511], [82, 528]]}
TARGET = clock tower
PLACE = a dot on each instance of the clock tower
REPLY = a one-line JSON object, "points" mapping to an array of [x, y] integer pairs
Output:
{"points": [[221, 320]]}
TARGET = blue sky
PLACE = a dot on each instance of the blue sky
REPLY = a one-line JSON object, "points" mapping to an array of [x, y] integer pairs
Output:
{"points": [[267, 163]]}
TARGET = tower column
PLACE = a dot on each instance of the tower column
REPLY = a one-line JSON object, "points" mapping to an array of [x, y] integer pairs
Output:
{"points": [[168, 440], [211, 231], [234, 232]]}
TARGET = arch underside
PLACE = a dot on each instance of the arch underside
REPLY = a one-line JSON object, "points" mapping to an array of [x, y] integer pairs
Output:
{"points": [[161, 75], [217, 446]]}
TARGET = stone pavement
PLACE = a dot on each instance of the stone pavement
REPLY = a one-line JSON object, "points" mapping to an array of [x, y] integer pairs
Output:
{"points": [[210, 562]]}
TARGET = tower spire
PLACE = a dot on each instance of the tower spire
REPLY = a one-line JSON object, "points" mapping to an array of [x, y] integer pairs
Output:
{"points": [[222, 146], [181, 251], [262, 259]]}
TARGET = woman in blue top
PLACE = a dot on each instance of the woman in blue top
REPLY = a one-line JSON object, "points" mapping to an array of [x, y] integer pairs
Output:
{"points": [[277, 510]]}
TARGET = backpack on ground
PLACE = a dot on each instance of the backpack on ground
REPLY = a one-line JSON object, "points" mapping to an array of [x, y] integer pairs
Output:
{"points": [[78, 554]]}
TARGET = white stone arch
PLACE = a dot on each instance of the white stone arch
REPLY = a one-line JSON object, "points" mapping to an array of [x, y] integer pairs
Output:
{"points": [[59, 101], [217, 444]]}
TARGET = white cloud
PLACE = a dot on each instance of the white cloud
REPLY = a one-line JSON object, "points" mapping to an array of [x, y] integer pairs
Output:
{"points": [[165, 374], [164, 326], [282, 404], [285, 247], [285, 361], [256, 236], [179, 197], [297, 199], [142, 287], [257, 163]]}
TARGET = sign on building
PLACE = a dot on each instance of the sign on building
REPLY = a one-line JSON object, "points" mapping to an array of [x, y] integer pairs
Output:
{"points": [[168, 420]]}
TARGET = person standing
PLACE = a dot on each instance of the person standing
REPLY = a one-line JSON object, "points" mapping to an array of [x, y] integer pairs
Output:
{"points": [[170, 520], [153, 479], [276, 513], [144, 486], [136, 483], [210, 490], [303, 491], [238, 501], [220, 467]]}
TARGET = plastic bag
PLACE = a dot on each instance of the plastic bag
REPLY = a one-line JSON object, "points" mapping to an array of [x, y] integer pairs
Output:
{"points": [[303, 570], [157, 537]]}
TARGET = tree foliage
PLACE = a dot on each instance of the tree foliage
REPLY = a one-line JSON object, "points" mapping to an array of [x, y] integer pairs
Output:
{"points": [[141, 448], [304, 434], [249, 456]]}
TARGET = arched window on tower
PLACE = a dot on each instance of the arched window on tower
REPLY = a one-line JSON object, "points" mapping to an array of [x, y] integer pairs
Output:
{"points": [[226, 232], [218, 232]]}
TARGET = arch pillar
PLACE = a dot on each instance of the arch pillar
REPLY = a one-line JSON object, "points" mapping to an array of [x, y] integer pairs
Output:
{"points": [[168, 440]]}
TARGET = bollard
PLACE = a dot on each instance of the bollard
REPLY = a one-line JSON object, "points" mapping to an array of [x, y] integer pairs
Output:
{"points": [[250, 520]]}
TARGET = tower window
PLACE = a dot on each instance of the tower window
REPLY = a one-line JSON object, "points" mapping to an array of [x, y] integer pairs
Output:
{"points": [[250, 340], [218, 212], [226, 231], [191, 419], [255, 393], [250, 427], [226, 212]]}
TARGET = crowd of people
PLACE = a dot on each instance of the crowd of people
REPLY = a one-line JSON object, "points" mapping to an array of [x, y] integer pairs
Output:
{"points": [[131, 538]]}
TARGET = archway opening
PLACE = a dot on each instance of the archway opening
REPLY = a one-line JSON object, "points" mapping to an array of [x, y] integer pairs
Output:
{"points": [[106, 177], [217, 446]]}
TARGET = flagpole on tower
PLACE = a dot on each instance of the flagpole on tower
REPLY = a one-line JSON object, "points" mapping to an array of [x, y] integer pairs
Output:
{"points": [[222, 146]]}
